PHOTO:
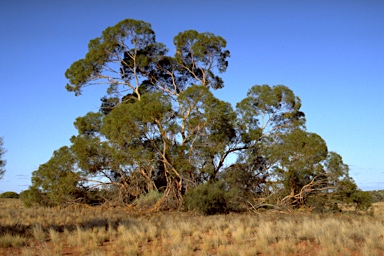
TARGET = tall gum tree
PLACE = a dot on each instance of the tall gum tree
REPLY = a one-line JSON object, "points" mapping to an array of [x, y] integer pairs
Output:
{"points": [[128, 59], [161, 128]]}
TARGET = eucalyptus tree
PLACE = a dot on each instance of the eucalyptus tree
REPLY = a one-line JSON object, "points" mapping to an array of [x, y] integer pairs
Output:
{"points": [[161, 128], [141, 144], [152, 140], [294, 163]]}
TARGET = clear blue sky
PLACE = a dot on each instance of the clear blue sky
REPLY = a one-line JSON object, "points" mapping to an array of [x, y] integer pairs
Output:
{"points": [[330, 53]]}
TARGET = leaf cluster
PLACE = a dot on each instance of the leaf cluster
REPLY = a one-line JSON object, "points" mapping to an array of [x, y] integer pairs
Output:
{"points": [[128, 57]]}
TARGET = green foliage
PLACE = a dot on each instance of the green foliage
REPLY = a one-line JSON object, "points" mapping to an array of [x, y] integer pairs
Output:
{"points": [[90, 152], [9, 194], [362, 200], [377, 195], [322, 203], [130, 49], [90, 124], [149, 199], [115, 41], [300, 155], [160, 128], [198, 52], [2, 160], [57, 179], [269, 110], [211, 198], [207, 129], [309, 173], [34, 196], [350, 194], [248, 176]]}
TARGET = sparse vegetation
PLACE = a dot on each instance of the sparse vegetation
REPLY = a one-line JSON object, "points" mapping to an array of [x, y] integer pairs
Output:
{"points": [[99, 230]]}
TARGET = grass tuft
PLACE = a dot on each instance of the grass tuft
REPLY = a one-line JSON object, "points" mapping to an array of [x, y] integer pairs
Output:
{"points": [[8, 240]]}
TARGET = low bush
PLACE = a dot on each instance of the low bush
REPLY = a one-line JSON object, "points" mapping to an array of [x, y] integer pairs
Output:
{"points": [[210, 198], [9, 194], [362, 200], [33, 196], [149, 199]]}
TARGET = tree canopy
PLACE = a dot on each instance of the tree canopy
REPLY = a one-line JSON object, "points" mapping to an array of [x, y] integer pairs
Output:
{"points": [[127, 57], [160, 128]]}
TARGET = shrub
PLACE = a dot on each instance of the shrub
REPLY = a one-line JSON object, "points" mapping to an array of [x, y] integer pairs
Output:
{"points": [[350, 194], [362, 200], [33, 196], [210, 198], [93, 196], [9, 194], [322, 204], [149, 199], [377, 196]]}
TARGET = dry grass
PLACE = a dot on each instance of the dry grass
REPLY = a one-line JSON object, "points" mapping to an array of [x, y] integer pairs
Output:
{"points": [[82, 230], [8, 240]]}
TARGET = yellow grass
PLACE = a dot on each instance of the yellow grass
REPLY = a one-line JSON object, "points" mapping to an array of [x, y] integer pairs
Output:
{"points": [[83, 230]]}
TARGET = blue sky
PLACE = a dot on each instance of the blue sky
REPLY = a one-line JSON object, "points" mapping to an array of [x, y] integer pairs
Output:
{"points": [[330, 53]]}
